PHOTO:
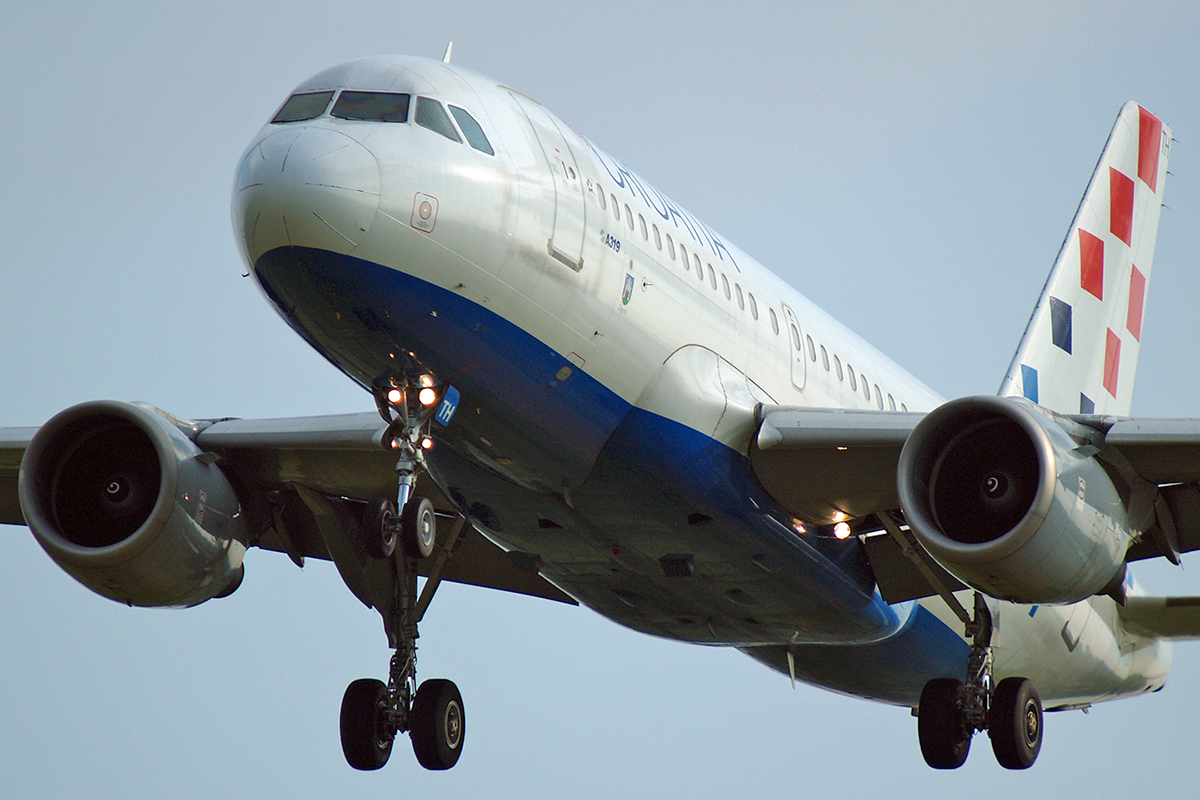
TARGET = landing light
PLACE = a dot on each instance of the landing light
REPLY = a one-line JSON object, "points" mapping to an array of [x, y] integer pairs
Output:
{"points": [[426, 443], [427, 396], [841, 531], [394, 396]]}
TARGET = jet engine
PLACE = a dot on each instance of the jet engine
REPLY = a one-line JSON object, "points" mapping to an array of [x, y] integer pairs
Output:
{"points": [[128, 505], [1010, 499]]}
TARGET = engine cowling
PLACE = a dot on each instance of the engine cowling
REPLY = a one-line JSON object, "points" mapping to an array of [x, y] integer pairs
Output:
{"points": [[126, 503], [1007, 501]]}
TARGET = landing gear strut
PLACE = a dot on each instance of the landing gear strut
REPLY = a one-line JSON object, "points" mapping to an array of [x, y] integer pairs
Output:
{"points": [[373, 712], [950, 711], [408, 409]]}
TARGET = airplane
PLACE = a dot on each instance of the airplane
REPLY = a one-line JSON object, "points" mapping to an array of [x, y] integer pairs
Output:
{"points": [[583, 393]]}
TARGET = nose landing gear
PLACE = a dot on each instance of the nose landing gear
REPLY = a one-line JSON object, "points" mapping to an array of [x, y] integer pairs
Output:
{"points": [[950, 712], [373, 712]]}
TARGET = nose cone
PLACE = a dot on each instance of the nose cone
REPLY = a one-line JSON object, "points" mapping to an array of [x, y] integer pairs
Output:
{"points": [[308, 187]]}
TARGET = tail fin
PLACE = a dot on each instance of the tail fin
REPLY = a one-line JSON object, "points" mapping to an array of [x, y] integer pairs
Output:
{"points": [[1080, 348]]}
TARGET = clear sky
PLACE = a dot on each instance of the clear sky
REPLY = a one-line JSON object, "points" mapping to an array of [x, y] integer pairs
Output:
{"points": [[913, 171]]}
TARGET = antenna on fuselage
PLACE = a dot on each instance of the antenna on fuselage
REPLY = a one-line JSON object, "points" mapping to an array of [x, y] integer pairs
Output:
{"points": [[446, 55]]}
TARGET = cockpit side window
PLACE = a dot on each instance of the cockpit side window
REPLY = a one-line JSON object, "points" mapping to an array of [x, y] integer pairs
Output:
{"points": [[372, 106], [470, 128], [298, 107], [430, 114]]}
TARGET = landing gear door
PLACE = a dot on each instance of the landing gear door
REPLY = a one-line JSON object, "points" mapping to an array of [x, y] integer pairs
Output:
{"points": [[799, 362], [566, 234]]}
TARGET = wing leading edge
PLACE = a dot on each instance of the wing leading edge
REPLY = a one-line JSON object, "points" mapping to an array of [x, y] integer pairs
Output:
{"points": [[302, 482], [832, 465]]}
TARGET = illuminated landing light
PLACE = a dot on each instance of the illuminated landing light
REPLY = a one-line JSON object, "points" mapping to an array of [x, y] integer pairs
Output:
{"points": [[841, 531], [394, 396], [799, 526], [427, 396], [426, 443]]}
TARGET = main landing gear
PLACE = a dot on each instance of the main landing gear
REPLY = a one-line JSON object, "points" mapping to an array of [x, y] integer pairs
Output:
{"points": [[374, 712], [950, 711]]}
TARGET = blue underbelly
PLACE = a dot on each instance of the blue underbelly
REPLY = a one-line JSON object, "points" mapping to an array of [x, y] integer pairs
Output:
{"points": [[645, 520]]}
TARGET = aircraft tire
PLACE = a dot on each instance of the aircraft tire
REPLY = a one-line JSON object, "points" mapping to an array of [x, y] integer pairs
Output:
{"points": [[418, 525], [1015, 723], [944, 741], [379, 528], [438, 724], [366, 737]]}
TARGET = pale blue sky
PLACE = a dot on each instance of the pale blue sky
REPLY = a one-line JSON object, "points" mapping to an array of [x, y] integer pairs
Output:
{"points": [[913, 171]]}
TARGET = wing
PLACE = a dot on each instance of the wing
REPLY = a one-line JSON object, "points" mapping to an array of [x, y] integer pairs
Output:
{"points": [[302, 484], [13, 442], [829, 465]]}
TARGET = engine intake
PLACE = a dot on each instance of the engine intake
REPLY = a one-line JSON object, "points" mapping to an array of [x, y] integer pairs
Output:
{"points": [[1001, 495], [117, 496]]}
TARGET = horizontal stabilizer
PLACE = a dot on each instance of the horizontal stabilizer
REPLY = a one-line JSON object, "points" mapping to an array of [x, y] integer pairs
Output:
{"points": [[1163, 617]]}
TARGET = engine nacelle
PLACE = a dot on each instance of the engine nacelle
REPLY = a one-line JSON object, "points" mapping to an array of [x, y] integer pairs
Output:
{"points": [[126, 503], [1000, 494]]}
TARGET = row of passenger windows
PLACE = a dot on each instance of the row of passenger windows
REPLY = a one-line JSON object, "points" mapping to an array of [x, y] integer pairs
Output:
{"points": [[706, 273], [843, 375], [386, 107], [688, 262]]}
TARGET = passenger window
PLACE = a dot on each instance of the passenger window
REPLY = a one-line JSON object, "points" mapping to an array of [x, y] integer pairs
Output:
{"points": [[642, 224], [431, 115], [741, 298], [850, 375], [774, 322], [837, 367], [657, 237], [629, 216], [725, 286], [754, 307], [903, 407], [866, 387], [616, 206], [470, 128], [878, 397], [891, 402], [699, 269], [824, 358], [795, 337], [683, 256], [812, 351], [671, 247], [300, 107], [371, 106], [712, 277]]}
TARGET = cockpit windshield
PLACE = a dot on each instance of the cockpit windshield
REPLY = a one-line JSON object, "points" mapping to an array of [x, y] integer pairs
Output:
{"points": [[386, 107], [303, 106], [430, 114], [470, 128], [372, 106]]}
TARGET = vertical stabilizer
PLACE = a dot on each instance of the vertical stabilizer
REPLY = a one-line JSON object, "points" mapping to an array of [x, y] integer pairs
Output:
{"points": [[1080, 348]]}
